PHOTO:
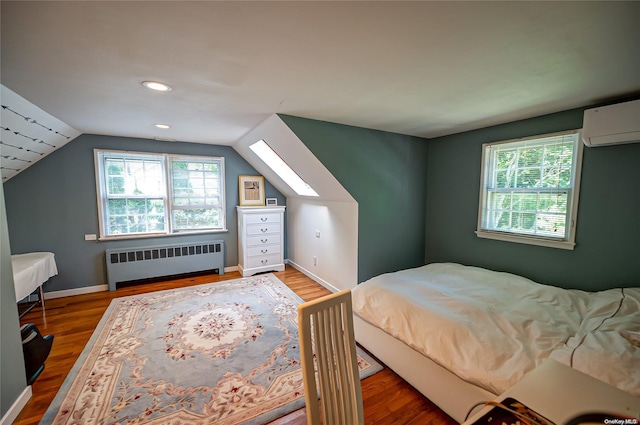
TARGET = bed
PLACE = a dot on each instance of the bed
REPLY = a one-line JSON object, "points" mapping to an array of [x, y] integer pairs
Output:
{"points": [[31, 271], [462, 335]]}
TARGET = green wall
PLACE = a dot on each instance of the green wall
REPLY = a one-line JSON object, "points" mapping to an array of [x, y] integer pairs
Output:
{"points": [[386, 174], [52, 205], [607, 252], [397, 181], [12, 373]]}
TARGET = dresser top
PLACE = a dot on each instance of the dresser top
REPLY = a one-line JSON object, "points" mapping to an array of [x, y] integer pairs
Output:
{"points": [[261, 208]]}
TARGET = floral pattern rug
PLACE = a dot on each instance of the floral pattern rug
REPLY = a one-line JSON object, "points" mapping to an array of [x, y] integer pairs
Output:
{"points": [[223, 353]]}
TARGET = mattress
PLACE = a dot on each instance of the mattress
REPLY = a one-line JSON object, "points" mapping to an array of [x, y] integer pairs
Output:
{"points": [[491, 328], [31, 270]]}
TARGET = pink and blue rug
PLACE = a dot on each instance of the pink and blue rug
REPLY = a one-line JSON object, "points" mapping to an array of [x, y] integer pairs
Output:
{"points": [[224, 353]]}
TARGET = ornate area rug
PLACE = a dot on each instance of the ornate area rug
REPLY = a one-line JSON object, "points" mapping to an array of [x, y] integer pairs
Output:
{"points": [[222, 353]]}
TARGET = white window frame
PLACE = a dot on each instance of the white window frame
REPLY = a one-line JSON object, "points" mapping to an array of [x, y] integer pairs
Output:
{"points": [[166, 161], [568, 240]]}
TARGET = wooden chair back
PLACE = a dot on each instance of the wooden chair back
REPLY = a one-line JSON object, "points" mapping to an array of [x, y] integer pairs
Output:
{"points": [[326, 336]]}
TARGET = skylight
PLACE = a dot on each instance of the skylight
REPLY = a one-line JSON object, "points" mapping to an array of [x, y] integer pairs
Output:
{"points": [[286, 173]]}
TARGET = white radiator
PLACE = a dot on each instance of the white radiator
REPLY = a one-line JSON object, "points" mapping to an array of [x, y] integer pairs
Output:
{"points": [[125, 264]]}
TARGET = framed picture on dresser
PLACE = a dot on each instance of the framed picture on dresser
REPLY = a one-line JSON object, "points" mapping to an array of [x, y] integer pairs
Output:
{"points": [[251, 190]]}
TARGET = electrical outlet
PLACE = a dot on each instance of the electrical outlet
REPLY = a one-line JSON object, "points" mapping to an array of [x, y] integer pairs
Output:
{"points": [[315, 261], [317, 233]]}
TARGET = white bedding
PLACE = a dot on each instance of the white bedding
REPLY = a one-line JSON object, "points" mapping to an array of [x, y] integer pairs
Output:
{"points": [[32, 270], [607, 345], [489, 328]]}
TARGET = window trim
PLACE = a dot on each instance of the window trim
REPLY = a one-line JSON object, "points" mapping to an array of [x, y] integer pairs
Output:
{"points": [[567, 242], [166, 159]]}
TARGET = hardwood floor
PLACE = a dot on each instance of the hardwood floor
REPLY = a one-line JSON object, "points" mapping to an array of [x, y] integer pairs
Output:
{"points": [[387, 399]]}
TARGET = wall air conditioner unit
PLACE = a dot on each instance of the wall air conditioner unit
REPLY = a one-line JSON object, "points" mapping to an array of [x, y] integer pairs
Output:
{"points": [[612, 125]]}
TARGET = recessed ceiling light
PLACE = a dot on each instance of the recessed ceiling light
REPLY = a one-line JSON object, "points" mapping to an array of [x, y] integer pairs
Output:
{"points": [[157, 86], [163, 126]]}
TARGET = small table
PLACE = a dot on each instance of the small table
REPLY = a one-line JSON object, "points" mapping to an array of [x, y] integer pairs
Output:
{"points": [[560, 393], [30, 272]]}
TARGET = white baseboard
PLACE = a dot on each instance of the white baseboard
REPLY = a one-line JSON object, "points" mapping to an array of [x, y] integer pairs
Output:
{"points": [[16, 407], [97, 288], [313, 277], [76, 291]]}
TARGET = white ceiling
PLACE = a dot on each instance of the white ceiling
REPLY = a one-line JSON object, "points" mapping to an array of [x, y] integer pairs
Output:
{"points": [[420, 68]]}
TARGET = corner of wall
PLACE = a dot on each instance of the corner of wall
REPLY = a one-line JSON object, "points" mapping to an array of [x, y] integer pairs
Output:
{"points": [[13, 382]]}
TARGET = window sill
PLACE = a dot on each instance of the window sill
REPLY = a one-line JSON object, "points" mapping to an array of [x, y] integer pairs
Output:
{"points": [[160, 235], [549, 243]]}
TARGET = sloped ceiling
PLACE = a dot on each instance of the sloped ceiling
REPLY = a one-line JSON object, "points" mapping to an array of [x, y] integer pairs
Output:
{"points": [[27, 134], [286, 144], [423, 68]]}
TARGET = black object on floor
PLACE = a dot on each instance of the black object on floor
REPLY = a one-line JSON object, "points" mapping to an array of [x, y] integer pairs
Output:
{"points": [[36, 349]]}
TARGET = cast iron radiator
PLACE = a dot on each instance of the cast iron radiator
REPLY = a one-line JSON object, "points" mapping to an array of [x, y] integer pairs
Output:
{"points": [[127, 264]]}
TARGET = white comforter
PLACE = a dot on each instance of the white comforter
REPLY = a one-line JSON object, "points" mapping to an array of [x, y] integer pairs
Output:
{"points": [[489, 328], [607, 345]]}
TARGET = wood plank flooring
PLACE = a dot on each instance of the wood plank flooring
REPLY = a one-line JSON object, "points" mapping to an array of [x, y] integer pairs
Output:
{"points": [[387, 399]]}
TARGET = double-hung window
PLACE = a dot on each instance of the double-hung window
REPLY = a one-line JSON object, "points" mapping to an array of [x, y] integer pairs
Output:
{"points": [[529, 190], [148, 194]]}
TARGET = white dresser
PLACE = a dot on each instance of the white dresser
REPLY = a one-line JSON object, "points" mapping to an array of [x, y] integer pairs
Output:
{"points": [[260, 239]]}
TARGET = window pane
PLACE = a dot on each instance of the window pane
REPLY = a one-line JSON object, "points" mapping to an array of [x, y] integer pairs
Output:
{"points": [[528, 177], [135, 187], [116, 206], [506, 158], [503, 221], [529, 157], [525, 201], [196, 194], [504, 179], [137, 206], [565, 177], [518, 211], [523, 222], [118, 226], [181, 193], [196, 219], [135, 215], [527, 186], [503, 200], [554, 202], [115, 185], [551, 225], [558, 154], [180, 182], [134, 177], [133, 192]]}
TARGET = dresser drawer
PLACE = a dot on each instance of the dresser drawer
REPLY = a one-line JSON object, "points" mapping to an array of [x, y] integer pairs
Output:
{"points": [[263, 229], [263, 218], [263, 261], [263, 250], [266, 239]]}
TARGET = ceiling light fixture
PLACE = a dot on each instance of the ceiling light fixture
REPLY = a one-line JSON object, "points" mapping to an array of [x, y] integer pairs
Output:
{"points": [[163, 126], [157, 86]]}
